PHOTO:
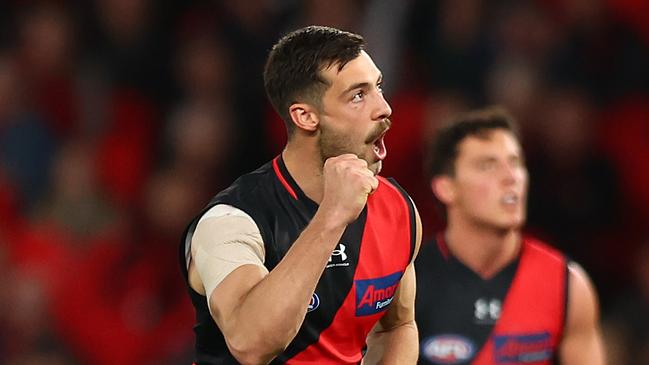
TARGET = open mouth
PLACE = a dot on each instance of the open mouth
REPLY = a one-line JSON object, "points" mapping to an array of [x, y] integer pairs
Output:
{"points": [[377, 139], [379, 147], [509, 199]]}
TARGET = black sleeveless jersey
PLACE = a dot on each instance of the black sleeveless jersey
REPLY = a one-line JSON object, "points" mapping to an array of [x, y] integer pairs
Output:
{"points": [[515, 317], [358, 283]]}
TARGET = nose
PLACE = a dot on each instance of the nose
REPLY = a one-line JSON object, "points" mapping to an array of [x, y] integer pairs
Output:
{"points": [[512, 174], [382, 109]]}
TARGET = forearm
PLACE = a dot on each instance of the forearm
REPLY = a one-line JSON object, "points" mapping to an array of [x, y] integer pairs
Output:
{"points": [[268, 317], [398, 345]]}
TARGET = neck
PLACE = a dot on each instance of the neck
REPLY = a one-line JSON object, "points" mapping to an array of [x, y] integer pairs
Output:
{"points": [[485, 250], [305, 166]]}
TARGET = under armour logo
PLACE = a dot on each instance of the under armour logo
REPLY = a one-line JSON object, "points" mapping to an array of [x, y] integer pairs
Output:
{"points": [[341, 257], [487, 310], [339, 251]]}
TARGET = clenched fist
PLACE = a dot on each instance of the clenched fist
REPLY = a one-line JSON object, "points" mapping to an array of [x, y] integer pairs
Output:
{"points": [[347, 183]]}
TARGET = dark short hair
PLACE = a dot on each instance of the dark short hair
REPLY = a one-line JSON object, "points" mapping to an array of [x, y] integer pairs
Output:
{"points": [[443, 150], [293, 69]]}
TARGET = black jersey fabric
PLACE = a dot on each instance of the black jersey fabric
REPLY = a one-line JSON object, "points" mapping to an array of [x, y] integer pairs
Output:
{"points": [[515, 317], [357, 285]]}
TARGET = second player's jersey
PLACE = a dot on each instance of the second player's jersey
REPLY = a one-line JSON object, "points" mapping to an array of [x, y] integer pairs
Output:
{"points": [[357, 285], [516, 317]]}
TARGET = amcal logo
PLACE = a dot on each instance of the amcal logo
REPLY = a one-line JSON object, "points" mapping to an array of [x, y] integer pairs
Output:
{"points": [[447, 349], [374, 295], [522, 348]]}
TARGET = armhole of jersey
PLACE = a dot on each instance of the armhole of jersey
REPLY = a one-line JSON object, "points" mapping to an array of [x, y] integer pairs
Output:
{"points": [[221, 209], [411, 215], [185, 248], [566, 294], [564, 318]]}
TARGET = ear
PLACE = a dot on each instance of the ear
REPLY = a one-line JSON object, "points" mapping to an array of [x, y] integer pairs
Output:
{"points": [[304, 116], [443, 188]]}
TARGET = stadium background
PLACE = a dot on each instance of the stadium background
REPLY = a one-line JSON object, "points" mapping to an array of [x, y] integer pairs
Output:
{"points": [[120, 118]]}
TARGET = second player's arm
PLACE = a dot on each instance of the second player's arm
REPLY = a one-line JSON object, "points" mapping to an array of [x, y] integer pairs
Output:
{"points": [[582, 339]]}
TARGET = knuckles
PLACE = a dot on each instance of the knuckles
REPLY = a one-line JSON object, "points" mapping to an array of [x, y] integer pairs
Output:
{"points": [[347, 162]]}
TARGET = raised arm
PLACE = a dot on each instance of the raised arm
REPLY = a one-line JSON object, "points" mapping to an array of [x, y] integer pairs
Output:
{"points": [[394, 339], [582, 339], [260, 312]]}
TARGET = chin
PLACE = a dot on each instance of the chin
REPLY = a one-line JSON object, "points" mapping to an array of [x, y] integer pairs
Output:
{"points": [[512, 220], [517, 224], [509, 225], [376, 167]]}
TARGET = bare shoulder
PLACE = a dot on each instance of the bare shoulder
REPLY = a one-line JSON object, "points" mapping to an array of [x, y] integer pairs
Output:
{"points": [[582, 293], [582, 340], [583, 304]]}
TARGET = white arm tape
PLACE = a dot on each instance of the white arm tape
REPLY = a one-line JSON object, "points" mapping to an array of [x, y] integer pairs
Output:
{"points": [[225, 238]]}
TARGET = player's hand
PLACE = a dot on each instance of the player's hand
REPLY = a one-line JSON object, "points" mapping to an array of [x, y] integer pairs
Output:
{"points": [[347, 184]]}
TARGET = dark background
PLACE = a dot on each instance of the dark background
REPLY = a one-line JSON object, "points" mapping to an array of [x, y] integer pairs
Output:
{"points": [[119, 119]]}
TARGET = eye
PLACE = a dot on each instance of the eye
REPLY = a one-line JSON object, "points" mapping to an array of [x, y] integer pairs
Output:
{"points": [[518, 161], [379, 87], [358, 97], [486, 165]]}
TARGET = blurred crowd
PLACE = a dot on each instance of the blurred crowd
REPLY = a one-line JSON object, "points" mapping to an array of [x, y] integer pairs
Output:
{"points": [[119, 119]]}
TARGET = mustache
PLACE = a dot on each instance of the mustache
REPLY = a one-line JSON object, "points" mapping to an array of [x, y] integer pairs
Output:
{"points": [[380, 128]]}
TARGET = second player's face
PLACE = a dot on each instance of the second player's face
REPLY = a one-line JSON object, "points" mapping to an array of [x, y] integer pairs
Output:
{"points": [[491, 181], [354, 116]]}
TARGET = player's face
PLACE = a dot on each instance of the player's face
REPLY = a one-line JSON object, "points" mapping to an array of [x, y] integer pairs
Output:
{"points": [[490, 181], [354, 115]]}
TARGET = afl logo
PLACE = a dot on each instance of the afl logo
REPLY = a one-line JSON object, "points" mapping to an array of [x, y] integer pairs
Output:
{"points": [[447, 349], [314, 303]]}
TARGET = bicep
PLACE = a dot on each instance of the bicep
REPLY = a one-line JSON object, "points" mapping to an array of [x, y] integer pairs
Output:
{"points": [[228, 256], [228, 295], [582, 342]]}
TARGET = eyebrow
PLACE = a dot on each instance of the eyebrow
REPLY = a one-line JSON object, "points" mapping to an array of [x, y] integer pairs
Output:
{"points": [[486, 158], [361, 85]]}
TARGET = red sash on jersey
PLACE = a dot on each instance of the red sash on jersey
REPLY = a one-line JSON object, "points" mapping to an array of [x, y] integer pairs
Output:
{"points": [[385, 253], [532, 319]]}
